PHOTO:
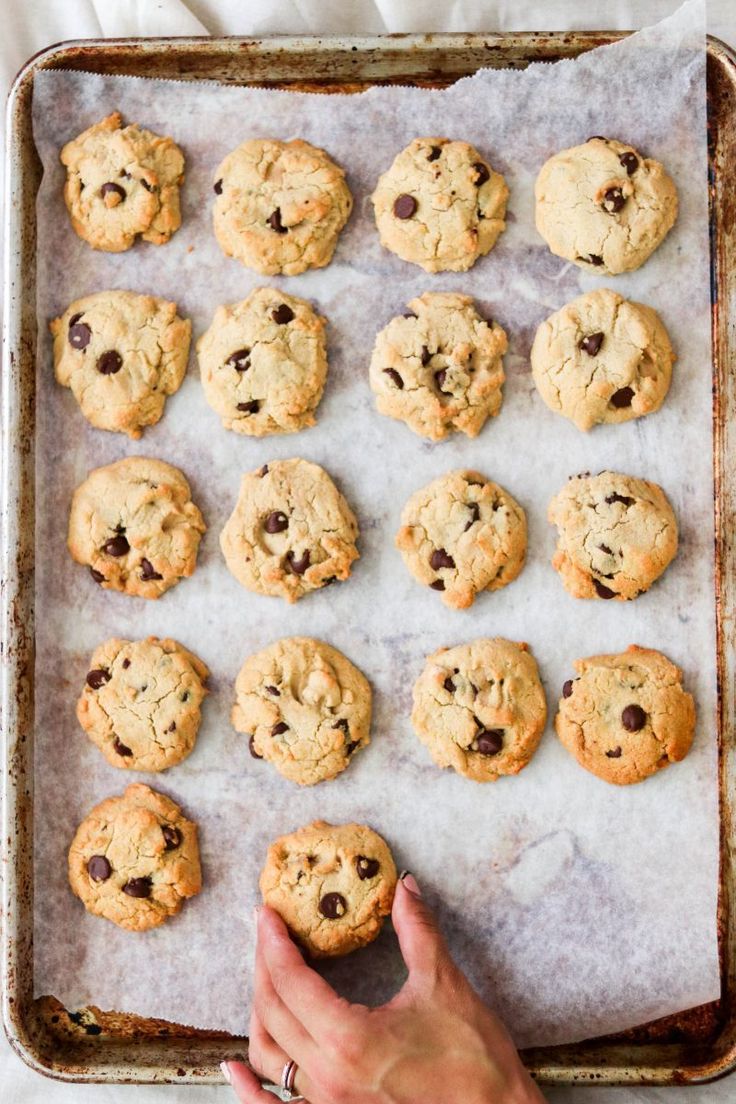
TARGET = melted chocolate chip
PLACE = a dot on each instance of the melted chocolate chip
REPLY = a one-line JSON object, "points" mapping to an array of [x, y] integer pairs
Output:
{"points": [[483, 173], [489, 741], [603, 591], [367, 868], [426, 356], [99, 868], [474, 515], [298, 566], [350, 747], [449, 685], [172, 837], [172, 727], [282, 314], [622, 398], [148, 572], [121, 748], [394, 376], [613, 200], [116, 546], [440, 378], [126, 664], [439, 559], [109, 363], [112, 189], [409, 314], [623, 499], [92, 1029], [404, 206], [79, 334], [630, 162], [218, 186], [97, 575], [633, 718], [437, 585], [147, 186], [138, 887], [343, 724], [280, 728], [239, 360], [597, 138], [593, 259], [252, 748], [263, 471], [591, 344], [567, 688], [274, 221], [97, 678], [606, 549], [434, 153], [251, 407], [333, 906], [615, 753], [274, 691], [276, 522]]}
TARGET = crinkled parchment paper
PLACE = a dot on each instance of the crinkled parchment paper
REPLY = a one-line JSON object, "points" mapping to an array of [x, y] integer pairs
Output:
{"points": [[576, 907]]}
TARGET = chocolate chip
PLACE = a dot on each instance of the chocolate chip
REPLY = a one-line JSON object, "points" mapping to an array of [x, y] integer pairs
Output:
{"points": [[593, 259], [474, 515], [350, 747], [343, 724], [437, 585], [172, 837], [112, 189], [218, 187], [126, 664], [606, 549], [333, 906], [440, 559], [404, 206], [440, 379], [252, 748], [567, 688], [147, 186], [99, 868], [282, 314], [591, 344], [297, 566], [263, 471], [138, 887], [328, 582], [98, 678], [239, 360], [483, 173], [274, 690], [280, 728], [97, 575], [449, 685], [274, 221], [633, 718], [615, 753], [172, 727], [367, 868], [434, 153], [251, 407], [597, 138], [622, 398], [489, 741], [426, 356], [623, 499], [79, 334], [148, 572], [121, 748], [395, 377], [116, 546], [603, 591], [613, 200], [92, 1029], [630, 162], [409, 314], [276, 522], [109, 363]]}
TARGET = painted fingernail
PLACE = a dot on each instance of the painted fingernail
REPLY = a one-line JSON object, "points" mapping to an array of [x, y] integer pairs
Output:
{"points": [[410, 882], [225, 1072]]}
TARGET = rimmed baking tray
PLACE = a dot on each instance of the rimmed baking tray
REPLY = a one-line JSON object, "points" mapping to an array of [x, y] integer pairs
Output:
{"points": [[91, 1045]]}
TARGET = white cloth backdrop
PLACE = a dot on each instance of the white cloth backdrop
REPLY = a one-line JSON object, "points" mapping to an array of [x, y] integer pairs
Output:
{"points": [[30, 25]]}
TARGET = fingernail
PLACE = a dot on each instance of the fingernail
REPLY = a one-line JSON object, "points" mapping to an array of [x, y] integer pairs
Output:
{"points": [[410, 882], [256, 913], [225, 1072]]}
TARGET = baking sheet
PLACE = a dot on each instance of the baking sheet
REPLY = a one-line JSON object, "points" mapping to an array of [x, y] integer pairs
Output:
{"points": [[575, 907]]}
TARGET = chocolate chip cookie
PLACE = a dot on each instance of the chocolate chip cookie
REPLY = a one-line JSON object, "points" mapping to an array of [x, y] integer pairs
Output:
{"points": [[280, 206], [291, 531], [134, 525], [480, 708], [626, 716], [604, 206], [462, 534], [439, 368], [616, 535], [121, 354], [602, 358], [440, 205], [264, 363], [141, 702], [331, 884], [305, 707], [134, 859], [122, 182]]}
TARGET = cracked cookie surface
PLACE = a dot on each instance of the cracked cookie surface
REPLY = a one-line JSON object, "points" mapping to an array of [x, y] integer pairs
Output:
{"points": [[626, 716], [122, 181], [440, 205], [280, 206], [291, 531], [121, 354], [305, 707], [135, 859], [480, 708], [616, 535], [133, 523], [141, 702], [332, 885], [440, 367], [602, 359], [462, 534], [604, 206], [264, 363]]}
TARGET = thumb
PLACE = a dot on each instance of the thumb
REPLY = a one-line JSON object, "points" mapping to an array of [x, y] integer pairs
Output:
{"points": [[422, 946]]}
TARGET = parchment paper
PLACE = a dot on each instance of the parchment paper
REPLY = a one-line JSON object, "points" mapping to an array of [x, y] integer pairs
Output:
{"points": [[576, 907]]}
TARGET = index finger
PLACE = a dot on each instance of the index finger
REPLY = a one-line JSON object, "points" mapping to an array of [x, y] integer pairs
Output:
{"points": [[313, 1002]]}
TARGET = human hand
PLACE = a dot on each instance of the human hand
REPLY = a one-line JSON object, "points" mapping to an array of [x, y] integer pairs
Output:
{"points": [[434, 1041]]}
